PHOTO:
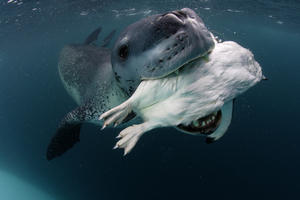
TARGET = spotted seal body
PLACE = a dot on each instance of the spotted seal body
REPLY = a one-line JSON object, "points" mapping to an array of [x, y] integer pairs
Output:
{"points": [[85, 70]]}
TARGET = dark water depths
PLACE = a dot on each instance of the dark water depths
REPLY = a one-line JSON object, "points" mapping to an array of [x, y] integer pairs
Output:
{"points": [[258, 158]]}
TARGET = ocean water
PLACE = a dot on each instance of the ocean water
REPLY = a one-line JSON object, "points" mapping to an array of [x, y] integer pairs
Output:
{"points": [[258, 158]]}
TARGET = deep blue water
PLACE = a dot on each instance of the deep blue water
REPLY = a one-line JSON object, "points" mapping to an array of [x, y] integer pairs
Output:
{"points": [[258, 158]]}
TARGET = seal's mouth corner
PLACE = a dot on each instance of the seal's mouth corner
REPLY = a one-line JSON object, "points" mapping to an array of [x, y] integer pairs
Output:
{"points": [[264, 78]]}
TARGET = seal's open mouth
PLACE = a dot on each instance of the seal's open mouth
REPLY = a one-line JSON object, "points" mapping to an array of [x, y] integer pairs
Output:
{"points": [[213, 125], [205, 125]]}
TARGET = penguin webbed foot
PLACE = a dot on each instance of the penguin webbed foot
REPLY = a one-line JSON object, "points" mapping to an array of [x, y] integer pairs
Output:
{"points": [[130, 135], [116, 115]]}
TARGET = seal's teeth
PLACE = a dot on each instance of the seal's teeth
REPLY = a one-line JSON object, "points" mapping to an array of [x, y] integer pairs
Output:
{"points": [[196, 123], [203, 123], [213, 118]]}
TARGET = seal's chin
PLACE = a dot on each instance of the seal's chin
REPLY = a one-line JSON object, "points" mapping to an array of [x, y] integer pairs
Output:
{"points": [[204, 125]]}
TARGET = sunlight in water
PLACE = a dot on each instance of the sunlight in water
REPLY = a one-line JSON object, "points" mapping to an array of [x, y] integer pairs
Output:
{"points": [[13, 188]]}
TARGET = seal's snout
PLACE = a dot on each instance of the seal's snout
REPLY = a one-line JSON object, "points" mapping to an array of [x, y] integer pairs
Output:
{"points": [[172, 18], [180, 14], [176, 15]]}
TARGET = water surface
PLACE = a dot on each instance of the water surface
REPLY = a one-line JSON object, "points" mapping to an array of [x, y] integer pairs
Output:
{"points": [[258, 158]]}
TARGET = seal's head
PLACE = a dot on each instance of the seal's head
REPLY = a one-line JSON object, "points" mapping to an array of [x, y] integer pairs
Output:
{"points": [[159, 45]]}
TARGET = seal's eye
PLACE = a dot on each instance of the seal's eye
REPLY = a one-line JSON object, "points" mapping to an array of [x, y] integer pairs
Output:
{"points": [[123, 51]]}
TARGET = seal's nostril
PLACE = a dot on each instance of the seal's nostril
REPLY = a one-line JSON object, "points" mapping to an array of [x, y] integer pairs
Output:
{"points": [[180, 14]]}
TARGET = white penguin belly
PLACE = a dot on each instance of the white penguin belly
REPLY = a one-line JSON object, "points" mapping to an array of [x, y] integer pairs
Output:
{"points": [[200, 88]]}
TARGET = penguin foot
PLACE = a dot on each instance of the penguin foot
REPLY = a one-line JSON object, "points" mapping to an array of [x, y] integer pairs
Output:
{"points": [[129, 137], [116, 115]]}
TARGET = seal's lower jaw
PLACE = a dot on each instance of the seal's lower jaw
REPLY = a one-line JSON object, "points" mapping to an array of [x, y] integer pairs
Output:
{"points": [[213, 125], [204, 125]]}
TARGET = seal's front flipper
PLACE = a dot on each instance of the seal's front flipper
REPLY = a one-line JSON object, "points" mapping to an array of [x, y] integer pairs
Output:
{"points": [[225, 122], [93, 36], [64, 139], [68, 132]]}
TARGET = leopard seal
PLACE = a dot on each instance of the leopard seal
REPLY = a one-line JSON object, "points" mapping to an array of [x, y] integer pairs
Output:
{"points": [[98, 78], [85, 70]]}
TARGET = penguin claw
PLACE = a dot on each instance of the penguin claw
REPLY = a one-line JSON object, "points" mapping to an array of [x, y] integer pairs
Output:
{"points": [[116, 146], [116, 115], [119, 136], [128, 138]]}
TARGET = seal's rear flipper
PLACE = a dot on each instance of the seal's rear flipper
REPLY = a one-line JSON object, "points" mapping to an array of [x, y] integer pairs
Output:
{"points": [[108, 38], [226, 110], [64, 139], [93, 36]]}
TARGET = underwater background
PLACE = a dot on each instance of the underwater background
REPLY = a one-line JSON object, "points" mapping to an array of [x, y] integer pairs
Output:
{"points": [[258, 158]]}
